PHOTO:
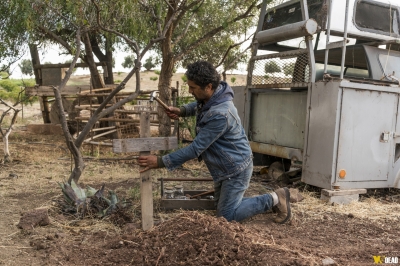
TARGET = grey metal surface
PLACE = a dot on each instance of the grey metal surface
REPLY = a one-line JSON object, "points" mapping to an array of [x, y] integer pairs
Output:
{"points": [[306, 27], [277, 150], [320, 151], [239, 100], [365, 115], [309, 43], [188, 204], [278, 117]]}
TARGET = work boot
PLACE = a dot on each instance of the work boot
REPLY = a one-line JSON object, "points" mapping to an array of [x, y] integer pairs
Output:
{"points": [[283, 206]]}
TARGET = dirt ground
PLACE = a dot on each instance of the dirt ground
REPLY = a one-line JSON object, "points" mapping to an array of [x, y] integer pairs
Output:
{"points": [[319, 233]]}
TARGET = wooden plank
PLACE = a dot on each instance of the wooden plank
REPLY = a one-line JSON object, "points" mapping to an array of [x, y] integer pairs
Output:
{"points": [[100, 135], [68, 90], [96, 90], [146, 188], [86, 118], [144, 144], [66, 65]]}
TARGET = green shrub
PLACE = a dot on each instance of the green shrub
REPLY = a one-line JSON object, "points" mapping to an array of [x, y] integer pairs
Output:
{"points": [[233, 79], [10, 89], [153, 78], [149, 64], [184, 78], [157, 72], [186, 123]]}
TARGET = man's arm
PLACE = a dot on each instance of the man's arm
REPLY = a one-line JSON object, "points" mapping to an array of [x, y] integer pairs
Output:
{"points": [[207, 135]]}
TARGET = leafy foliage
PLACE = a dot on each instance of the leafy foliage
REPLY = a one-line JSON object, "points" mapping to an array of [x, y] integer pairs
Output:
{"points": [[87, 201], [149, 64], [184, 79], [271, 67], [129, 61], [13, 34], [26, 67], [186, 123], [154, 78], [288, 69], [11, 89]]}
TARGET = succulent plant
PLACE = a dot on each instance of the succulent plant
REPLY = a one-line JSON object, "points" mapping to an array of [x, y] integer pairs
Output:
{"points": [[90, 200]]}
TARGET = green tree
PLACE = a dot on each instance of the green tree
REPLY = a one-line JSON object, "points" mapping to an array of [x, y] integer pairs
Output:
{"points": [[195, 33], [149, 64], [13, 34], [288, 69], [271, 67], [26, 67], [128, 61]]}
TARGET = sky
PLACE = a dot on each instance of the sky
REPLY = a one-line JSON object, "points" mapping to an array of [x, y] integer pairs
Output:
{"points": [[52, 54]]}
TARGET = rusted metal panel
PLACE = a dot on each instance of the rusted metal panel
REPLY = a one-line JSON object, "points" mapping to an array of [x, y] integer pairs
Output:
{"points": [[276, 150]]}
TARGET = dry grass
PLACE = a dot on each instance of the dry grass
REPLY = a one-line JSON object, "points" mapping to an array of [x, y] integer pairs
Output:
{"points": [[369, 208]]}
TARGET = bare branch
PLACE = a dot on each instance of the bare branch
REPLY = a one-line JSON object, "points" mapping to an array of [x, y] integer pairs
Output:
{"points": [[74, 149], [235, 60], [56, 38], [130, 42], [9, 106], [61, 15], [186, 8], [177, 39], [99, 113], [231, 47]]}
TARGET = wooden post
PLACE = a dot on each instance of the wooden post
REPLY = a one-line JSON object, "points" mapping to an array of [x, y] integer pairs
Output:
{"points": [[146, 188]]}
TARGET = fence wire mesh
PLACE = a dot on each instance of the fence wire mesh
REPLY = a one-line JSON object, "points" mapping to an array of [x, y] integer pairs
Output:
{"points": [[279, 69]]}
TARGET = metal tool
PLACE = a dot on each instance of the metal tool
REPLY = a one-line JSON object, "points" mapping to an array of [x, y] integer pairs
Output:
{"points": [[153, 96]]}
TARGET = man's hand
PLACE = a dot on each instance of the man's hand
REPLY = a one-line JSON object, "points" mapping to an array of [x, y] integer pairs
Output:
{"points": [[148, 162], [173, 112]]}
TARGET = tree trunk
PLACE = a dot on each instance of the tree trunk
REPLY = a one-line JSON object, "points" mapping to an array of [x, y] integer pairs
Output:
{"points": [[97, 82], [224, 76], [164, 84], [167, 70], [7, 157], [109, 77]]}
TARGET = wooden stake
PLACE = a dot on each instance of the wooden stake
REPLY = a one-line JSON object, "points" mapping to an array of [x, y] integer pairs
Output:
{"points": [[146, 188]]}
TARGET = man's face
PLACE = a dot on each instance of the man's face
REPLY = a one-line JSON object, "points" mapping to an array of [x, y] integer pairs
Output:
{"points": [[199, 93]]}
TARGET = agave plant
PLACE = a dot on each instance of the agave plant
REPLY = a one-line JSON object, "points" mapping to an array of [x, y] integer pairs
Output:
{"points": [[90, 200]]}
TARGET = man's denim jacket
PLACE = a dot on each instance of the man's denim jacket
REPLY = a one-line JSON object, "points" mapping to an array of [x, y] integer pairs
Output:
{"points": [[220, 142]]}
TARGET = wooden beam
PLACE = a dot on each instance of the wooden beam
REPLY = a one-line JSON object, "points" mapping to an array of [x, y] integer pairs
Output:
{"points": [[144, 144], [68, 90], [146, 188], [100, 135], [66, 65], [84, 118]]}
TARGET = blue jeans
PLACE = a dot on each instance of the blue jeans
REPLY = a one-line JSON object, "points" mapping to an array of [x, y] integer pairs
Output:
{"points": [[229, 198]]}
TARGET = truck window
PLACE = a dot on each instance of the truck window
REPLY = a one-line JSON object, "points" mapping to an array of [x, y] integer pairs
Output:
{"points": [[377, 17]]}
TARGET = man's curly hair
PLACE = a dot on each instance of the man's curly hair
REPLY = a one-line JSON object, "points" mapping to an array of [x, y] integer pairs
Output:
{"points": [[203, 73]]}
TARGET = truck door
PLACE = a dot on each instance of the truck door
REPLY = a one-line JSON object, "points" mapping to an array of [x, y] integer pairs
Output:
{"points": [[365, 138]]}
